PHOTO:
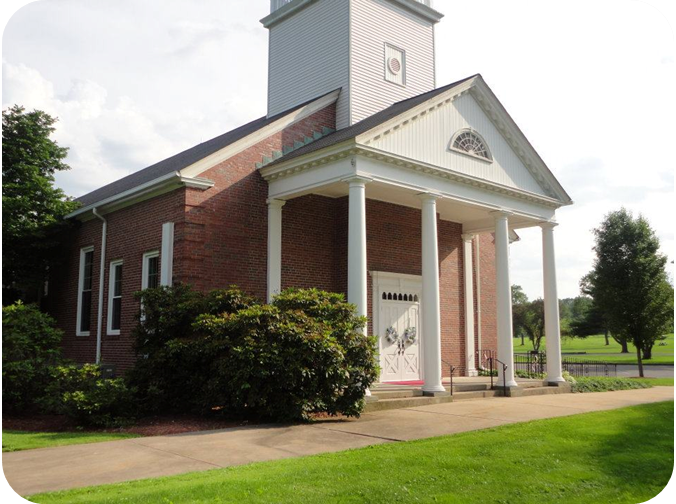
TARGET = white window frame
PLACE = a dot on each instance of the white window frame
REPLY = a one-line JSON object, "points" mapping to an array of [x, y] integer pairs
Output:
{"points": [[80, 289], [145, 268], [111, 290]]}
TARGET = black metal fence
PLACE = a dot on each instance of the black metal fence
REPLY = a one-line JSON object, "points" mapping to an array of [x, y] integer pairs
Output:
{"points": [[534, 365]]}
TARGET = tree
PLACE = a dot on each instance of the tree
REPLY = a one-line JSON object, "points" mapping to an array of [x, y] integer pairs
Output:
{"points": [[519, 297], [32, 208], [629, 281], [529, 319], [590, 322]]}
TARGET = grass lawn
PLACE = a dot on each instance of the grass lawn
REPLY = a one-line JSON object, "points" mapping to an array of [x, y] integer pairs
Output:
{"points": [[596, 349], [657, 382], [24, 440], [623, 456]]}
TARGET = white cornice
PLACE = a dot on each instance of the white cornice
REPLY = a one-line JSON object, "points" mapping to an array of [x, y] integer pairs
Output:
{"points": [[419, 8], [160, 185], [496, 113], [346, 149]]}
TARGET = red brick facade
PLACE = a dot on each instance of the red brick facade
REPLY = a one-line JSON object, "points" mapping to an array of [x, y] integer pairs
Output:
{"points": [[221, 240]]}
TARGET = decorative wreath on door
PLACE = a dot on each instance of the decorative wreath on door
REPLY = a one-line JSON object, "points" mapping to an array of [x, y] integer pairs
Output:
{"points": [[410, 335], [391, 335]]}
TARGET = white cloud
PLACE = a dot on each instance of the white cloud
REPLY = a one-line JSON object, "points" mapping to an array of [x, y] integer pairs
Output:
{"points": [[590, 83]]}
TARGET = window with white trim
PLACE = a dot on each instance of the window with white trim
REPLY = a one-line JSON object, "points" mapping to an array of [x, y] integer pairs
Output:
{"points": [[470, 142], [151, 270], [84, 292], [115, 298]]}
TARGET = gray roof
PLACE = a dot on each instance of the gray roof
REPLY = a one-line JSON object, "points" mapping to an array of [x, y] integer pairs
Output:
{"points": [[188, 157], [183, 159], [367, 124]]}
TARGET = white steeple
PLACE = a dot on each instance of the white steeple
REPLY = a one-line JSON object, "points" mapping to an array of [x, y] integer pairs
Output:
{"points": [[377, 51]]}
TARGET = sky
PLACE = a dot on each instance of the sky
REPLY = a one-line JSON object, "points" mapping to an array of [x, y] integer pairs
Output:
{"points": [[590, 83]]}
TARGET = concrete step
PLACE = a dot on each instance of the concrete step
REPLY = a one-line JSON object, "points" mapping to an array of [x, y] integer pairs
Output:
{"points": [[396, 394], [478, 394], [536, 391], [404, 402]]}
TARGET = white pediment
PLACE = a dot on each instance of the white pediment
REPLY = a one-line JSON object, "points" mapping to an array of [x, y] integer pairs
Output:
{"points": [[427, 138]]}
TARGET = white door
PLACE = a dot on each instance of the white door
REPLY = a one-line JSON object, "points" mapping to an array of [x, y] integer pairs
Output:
{"points": [[399, 334]]}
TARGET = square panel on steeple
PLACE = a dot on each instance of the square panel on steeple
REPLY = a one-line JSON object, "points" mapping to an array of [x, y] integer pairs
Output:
{"points": [[395, 65]]}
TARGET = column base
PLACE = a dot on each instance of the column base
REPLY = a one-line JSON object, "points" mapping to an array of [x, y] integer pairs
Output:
{"points": [[555, 382], [433, 389], [472, 372], [510, 384], [436, 393]]}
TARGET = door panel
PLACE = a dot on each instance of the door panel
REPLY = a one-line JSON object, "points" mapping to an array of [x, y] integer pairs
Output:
{"points": [[399, 360]]}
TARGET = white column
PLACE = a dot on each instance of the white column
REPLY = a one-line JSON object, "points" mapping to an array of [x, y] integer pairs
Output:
{"points": [[167, 255], [274, 247], [504, 300], [468, 266], [552, 325], [356, 246], [430, 306]]}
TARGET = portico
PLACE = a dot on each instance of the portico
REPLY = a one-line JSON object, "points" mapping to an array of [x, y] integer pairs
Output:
{"points": [[426, 155]]}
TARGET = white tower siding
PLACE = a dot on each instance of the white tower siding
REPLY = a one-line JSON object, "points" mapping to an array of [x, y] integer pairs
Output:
{"points": [[309, 56], [374, 24], [331, 44]]}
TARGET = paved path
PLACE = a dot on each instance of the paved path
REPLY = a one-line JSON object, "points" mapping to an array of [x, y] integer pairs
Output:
{"points": [[48, 469]]}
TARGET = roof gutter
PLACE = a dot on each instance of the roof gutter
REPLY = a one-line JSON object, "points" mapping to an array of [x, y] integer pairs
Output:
{"points": [[99, 313]]}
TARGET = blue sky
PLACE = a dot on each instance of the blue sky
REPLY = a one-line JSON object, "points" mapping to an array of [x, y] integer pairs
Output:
{"points": [[589, 82]]}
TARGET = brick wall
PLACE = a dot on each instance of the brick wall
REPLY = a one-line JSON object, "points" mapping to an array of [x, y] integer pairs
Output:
{"points": [[221, 240], [132, 232]]}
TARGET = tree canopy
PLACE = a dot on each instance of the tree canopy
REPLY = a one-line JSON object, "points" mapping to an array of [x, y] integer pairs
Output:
{"points": [[32, 208], [629, 281]]}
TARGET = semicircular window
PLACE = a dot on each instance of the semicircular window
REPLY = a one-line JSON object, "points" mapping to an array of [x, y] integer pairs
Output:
{"points": [[469, 142]]}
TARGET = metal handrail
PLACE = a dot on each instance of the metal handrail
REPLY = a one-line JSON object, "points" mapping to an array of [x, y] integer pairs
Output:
{"points": [[504, 376], [452, 369]]}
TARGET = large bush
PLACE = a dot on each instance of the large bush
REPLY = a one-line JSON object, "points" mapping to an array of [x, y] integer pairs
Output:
{"points": [[30, 345], [173, 358], [80, 393], [305, 353]]}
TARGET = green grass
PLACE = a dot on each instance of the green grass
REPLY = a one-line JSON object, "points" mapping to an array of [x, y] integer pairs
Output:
{"points": [[24, 440], [657, 382], [596, 349], [622, 456]]}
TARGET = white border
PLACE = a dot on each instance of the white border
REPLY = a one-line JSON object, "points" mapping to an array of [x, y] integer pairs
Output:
{"points": [[80, 289], [109, 330], [144, 268]]}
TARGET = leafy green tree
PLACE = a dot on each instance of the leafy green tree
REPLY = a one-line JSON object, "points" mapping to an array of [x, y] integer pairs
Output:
{"points": [[529, 319], [629, 281], [519, 297], [32, 208]]}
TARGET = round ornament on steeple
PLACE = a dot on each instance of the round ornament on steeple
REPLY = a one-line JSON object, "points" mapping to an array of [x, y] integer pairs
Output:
{"points": [[394, 65]]}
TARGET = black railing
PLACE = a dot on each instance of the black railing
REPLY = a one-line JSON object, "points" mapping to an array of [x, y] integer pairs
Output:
{"points": [[584, 367], [451, 368], [534, 365]]}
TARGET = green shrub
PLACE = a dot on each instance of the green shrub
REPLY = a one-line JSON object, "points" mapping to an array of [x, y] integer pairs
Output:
{"points": [[304, 353], [174, 359], [80, 393], [605, 384], [30, 345]]}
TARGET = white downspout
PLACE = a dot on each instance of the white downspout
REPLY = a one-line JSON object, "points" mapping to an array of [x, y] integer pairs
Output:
{"points": [[99, 314]]}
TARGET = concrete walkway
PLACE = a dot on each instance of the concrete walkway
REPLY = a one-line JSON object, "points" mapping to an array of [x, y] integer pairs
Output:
{"points": [[48, 469]]}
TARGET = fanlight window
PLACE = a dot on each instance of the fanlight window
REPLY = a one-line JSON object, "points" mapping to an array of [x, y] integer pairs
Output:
{"points": [[471, 143]]}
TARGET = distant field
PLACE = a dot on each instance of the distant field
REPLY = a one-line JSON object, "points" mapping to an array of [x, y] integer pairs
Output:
{"points": [[596, 349]]}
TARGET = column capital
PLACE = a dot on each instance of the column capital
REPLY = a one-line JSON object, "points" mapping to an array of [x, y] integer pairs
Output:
{"points": [[501, 214], [429, 196], [357, 180], [468, 236], [548, 224], [275, 203]]}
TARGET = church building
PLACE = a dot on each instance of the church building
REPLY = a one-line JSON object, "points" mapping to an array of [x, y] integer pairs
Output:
{"points": [[364, 177]]}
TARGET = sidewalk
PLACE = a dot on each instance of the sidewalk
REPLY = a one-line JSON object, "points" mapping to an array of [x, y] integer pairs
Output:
{"points": [[48, 469]]}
